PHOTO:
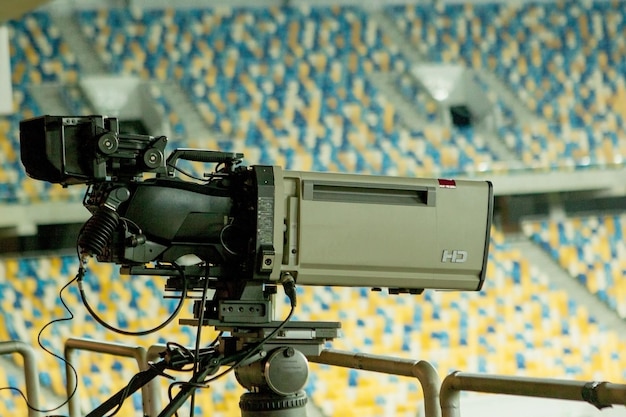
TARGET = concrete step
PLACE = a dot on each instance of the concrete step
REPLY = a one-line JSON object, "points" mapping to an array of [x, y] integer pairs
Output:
{"points": [[89, 60], [195, 125], [49, 97], [563, 280]]}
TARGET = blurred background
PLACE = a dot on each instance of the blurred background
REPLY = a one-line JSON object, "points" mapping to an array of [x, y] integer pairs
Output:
{"points": [[528, 95]]}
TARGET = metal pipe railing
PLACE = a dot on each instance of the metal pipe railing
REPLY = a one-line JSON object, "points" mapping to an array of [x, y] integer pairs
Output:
{"points": [[148, 393], [422, 370], [598, 394], [31, 375], [155, 351]]}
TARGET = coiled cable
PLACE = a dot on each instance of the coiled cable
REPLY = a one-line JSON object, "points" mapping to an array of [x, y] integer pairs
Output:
{"points": [[97, 231]]}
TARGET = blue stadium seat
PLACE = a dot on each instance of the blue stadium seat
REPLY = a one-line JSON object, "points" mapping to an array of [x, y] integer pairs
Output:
{"points": [[590, 249]]}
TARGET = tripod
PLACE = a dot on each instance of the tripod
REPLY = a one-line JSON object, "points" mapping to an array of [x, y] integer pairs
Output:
{"points": [[274, 372], [268, 357]]}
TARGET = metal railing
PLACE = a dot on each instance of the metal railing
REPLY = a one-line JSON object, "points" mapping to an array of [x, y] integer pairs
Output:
{"points": [[31, 374], [149, 393], [598, 394], [422, 370], [441, 399]]}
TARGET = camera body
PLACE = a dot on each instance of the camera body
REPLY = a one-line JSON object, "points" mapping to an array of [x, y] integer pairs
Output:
{"points": [[259, 223]]}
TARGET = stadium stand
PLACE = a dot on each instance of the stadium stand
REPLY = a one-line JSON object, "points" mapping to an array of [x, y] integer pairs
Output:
{"points": [[568, 77], [290, 86], [591, 249], [233, 76], [332, 110], [30, 301], [38, 55], [518, 325]]}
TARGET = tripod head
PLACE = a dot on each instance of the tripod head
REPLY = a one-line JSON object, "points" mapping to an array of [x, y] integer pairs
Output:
{"points": [[269, 359]]}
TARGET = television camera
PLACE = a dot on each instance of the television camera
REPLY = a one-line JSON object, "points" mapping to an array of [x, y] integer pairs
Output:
{"points": [[253, 228]]}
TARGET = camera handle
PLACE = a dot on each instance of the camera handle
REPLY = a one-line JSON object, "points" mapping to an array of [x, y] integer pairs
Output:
{"points": [[216, 157]]}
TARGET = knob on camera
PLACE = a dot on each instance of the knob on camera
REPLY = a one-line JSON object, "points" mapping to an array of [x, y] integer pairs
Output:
{"points": [[108, 143]]}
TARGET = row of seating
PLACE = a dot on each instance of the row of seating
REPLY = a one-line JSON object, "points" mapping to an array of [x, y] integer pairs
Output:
{"points": [[542, 144], [591, 249], [189, 40]]}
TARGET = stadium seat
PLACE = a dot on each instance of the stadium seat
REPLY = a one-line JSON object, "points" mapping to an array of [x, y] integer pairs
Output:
{"points": [[589, 249]]}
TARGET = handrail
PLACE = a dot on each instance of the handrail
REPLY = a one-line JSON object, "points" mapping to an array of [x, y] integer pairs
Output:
{"points": [[598, 394], [422, 370], [149, 392], [31, 374]]}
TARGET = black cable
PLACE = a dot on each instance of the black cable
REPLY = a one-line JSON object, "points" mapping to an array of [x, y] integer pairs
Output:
{"points": [[123, 397], [71, 317], [196, 363], [289, 286], [254, 349], [192, 176], [187, 351], [96, 317]]}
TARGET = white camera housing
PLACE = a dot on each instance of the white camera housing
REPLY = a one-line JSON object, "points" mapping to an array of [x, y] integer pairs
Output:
{"points": [[405, 234]]}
